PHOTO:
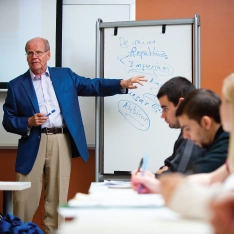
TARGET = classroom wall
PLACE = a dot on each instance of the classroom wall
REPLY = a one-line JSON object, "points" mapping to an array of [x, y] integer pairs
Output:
{"points": [[217, 32], [217, 57]]}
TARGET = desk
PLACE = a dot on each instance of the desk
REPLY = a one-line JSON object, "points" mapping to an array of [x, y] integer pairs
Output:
{"points": [[8, 188], [114, 220]]}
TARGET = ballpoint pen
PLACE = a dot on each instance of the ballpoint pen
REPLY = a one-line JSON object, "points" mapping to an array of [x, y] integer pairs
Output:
{"points": [[50, 113], [140, 165], [144, 166]]}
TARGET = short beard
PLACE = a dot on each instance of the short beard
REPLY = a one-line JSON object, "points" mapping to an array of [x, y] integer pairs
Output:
{"points": [[174, 126], [202, 145]]}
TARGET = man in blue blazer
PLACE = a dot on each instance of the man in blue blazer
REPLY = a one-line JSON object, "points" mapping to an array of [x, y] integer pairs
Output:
{"points": [[42, 106]]}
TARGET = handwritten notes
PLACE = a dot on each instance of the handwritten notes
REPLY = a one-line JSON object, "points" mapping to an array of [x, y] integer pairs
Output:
{"points": [[144, 57]]}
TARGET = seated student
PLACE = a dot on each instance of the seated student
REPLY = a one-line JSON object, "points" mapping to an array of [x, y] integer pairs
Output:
{"points": [[199, 117], [184, 152], [208, 201], [204, 129]]}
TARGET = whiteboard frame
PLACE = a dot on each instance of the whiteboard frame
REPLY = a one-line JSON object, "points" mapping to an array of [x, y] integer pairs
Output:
{"points": [[100, 26]]}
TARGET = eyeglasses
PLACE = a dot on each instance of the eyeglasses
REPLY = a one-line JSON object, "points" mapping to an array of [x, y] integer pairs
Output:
{"points": [[37, 53]]}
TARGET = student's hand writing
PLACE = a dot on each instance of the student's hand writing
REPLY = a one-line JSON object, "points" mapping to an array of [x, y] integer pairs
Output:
{"points": [[149, 182], [169, 183], [37, 120], [130, 83], [223, 214]]}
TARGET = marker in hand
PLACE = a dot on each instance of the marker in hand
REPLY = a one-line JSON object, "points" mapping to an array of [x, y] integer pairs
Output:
{"points": [[50, 113]]}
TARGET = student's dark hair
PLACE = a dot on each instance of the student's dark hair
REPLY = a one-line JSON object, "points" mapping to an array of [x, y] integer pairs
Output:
{"points": [[199, 103], [175, 88]]}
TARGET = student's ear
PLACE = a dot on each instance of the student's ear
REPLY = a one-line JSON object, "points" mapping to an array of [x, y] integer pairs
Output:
{"points": [[181, 99], [206, 122]]}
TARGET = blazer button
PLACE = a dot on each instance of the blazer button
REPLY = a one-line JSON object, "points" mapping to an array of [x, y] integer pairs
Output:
{"points": [[39, 137]]}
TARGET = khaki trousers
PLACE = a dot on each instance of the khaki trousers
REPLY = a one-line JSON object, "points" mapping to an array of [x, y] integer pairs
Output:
{"points": [[54, 162]]}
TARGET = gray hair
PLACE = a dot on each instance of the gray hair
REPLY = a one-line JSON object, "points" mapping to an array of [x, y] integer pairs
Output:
{"points": [[46, 43]]}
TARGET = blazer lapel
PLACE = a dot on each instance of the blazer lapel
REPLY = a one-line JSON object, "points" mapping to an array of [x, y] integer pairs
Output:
{"points": [[29, 89], [56, 84]]}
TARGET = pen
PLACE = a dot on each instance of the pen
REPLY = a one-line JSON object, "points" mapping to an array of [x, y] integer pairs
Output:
{"points": [[50, 113], [144, 166], [140, 165]]}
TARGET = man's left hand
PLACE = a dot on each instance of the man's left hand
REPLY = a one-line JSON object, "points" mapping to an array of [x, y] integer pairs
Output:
{"points": [[131, 83]]}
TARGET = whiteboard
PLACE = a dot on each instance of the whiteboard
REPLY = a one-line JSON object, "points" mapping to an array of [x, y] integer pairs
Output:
{"points": [[132, 122], [78, 49], [16, 29]]}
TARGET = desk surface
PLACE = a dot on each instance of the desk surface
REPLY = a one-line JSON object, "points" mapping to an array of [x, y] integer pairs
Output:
{"points": [[127, 223], [13, 186], [116, 220]]}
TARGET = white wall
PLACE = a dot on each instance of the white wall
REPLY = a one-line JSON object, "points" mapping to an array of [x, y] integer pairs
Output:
{"points": [[21, 20]]}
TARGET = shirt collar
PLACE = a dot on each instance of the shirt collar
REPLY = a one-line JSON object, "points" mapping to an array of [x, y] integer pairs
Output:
{"points": [[34, 77]]}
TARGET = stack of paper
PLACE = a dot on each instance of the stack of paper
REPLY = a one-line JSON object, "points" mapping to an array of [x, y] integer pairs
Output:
{"points": [[117, 184], [122, 198]]}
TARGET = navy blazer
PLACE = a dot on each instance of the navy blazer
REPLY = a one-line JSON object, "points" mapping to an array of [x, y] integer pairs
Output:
{"points": [[21, 103]]}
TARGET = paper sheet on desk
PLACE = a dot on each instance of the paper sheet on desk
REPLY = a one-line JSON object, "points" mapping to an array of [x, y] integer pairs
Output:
{"points": [[117, 184], [119, 199]]}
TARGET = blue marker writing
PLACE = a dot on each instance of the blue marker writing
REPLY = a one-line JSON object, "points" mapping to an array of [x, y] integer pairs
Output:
{"points": [[50, 113]]}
